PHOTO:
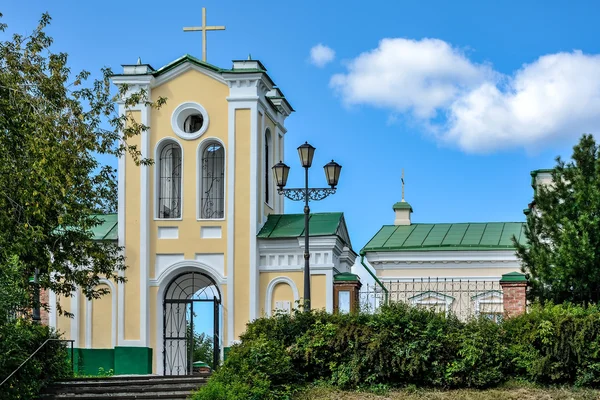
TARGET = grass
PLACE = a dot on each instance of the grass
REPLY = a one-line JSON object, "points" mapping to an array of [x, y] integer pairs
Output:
{"points": [[505, 393]]}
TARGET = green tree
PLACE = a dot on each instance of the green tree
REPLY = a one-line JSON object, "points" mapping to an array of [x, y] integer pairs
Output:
{"points": [[203, 348], [562, 255], [54, 124]]}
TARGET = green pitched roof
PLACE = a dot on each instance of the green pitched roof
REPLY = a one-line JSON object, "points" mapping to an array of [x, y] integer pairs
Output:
{"points": [[438, 237], [108, 229], [280, 226]]}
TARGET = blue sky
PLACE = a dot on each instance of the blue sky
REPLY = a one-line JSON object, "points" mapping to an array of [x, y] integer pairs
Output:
{"points": [[467, 97]]}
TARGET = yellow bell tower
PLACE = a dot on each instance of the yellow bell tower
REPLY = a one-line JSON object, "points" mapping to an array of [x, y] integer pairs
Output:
{"points": [[189, 222]]}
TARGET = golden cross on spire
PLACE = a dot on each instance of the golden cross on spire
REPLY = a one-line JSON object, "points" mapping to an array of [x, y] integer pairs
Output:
{"points": [[402, 179], [204, 28]]}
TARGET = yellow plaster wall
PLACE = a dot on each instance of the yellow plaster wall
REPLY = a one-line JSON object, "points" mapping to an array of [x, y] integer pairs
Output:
{"points": [[266, 277], [242, 221], [102, 320], [318, 287], [63, 323], [132, 243], [211, 94]]}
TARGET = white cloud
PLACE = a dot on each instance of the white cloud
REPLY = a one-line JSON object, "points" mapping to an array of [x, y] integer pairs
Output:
{"points": [[555, 97], [321, 55]]}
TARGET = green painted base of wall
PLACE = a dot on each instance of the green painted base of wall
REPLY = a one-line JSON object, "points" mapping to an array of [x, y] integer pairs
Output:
{"points": [[133, 360], [90, 361], [121, 360]]}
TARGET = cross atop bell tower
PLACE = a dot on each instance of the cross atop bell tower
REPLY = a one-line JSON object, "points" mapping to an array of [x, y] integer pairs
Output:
{"points": [[203, 29]]}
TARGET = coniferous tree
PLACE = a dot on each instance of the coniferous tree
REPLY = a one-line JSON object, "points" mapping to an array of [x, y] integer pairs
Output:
{"points": [[562, 256]]}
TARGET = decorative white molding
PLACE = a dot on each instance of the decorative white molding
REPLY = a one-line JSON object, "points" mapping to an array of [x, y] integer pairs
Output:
{"points": [[210, 232], [213, 260], [168, 232], [254, 198], [271, 287], [163, 261], [145, 194], [441, 256], [163, 281], [52, 312], [181, 113], [230, 196], [437, 299], [172, 270], [88, 323], [492, 297], [75, 319]]}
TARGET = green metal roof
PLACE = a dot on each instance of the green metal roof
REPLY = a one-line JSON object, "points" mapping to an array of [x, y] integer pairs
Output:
{"points": [[108, 229], [514, 277], [402, 205], [346, 277], [279, 226], [437, 237]]}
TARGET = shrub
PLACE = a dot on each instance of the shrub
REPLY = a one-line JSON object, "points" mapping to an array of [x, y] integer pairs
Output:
{"points": [[556, 344], [256, 369], [404, 346], [18, 340]]}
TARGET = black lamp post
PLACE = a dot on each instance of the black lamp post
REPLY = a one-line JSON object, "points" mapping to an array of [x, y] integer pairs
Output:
{"points": [[332, 173]]}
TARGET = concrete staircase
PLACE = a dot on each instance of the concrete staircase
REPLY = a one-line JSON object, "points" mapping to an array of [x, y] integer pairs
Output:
{"points": [[126, 387]]}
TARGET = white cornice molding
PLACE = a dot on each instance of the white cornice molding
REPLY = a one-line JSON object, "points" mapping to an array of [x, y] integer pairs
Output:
{"points": [[441, 256]]}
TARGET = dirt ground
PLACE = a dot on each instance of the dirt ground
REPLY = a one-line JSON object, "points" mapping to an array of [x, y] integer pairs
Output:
{"points": [[490, 394]]}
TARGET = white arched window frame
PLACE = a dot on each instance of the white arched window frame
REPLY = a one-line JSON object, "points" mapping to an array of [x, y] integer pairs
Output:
{"points": [[212, 180], [267, 164], [169, 180]]}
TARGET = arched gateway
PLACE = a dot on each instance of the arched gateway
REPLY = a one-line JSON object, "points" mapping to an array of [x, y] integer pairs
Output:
{"points": [[191, 319]]}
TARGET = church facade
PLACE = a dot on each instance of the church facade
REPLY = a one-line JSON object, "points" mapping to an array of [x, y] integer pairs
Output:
{"points": [[206, 241]]}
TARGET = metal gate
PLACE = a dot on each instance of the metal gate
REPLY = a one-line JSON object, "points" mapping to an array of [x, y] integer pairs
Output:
{"points": [[187, 298]]}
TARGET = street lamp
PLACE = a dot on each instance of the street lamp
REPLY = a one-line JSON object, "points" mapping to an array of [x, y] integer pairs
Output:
{"points": [[332, 173]]}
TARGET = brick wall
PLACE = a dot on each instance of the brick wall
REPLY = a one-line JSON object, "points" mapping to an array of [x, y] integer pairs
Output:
{"points": [[514, 298]]}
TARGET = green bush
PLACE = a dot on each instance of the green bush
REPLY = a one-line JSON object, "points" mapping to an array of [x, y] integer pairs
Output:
{"points": [[19, 339], [404, 346], [257, 369], [556, 344]]}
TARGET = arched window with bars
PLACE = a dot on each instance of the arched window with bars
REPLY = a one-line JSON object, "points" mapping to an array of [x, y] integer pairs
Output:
{"points": [[169, 182], [212, 181], [267, 165]]}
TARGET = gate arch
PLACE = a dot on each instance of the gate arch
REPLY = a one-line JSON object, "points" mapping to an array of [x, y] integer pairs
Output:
{"points": [[186, 297]]}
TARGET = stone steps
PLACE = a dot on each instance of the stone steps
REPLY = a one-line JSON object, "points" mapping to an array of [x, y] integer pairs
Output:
{"points": [[126, 387]]}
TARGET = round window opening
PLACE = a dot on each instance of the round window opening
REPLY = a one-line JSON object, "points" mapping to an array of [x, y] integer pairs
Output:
{"points": [[193, 123], [189, 120]]}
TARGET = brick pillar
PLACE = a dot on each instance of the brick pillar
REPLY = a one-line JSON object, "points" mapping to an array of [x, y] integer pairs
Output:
{"points": [[514, 293], [44, 300], [345, 292]]}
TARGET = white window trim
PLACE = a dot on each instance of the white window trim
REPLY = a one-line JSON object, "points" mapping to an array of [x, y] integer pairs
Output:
{"points": [[189, 105]]}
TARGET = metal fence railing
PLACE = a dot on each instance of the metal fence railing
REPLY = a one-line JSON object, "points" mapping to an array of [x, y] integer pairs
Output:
{"points": [[464, 298]]}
